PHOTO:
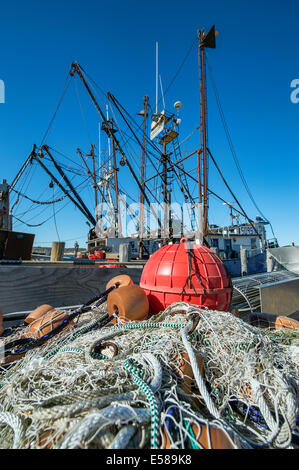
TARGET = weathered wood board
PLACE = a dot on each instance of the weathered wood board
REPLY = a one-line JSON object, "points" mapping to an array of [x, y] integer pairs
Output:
{"points": [[25, 287]]}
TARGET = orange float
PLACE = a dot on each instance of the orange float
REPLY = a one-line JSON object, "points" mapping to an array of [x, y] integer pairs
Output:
{"points": [[45, 324], [130, 302], [122, 280], [273, 322], [37, 313]]}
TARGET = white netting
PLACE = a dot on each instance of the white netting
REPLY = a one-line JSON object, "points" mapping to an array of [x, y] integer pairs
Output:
{"points": [[153, 384]]}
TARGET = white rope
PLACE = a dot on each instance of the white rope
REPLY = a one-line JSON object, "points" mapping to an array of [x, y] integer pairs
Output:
{"points": [[123, 438], [249, 389], [16, 424], [197, 375], [97, 421]]}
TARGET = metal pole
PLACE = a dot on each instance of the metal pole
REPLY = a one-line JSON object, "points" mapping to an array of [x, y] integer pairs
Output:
{"points": [[142, 178], [116, 184], [165, 196], [59, 169], [75, 68], [91, 220], [202, 88], [94, 182], [199, 176], [100, 159], [157, 74]]}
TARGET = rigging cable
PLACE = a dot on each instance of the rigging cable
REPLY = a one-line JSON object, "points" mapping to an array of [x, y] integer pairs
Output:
{"points": [[38, 225], [170, 83], [29, 159], [82, 111], [180, 68], [39, 202], [66, 85], [232, 149]]}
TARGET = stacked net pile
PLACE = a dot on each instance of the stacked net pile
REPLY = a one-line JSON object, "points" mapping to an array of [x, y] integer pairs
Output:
{"points": [[188, 378]]}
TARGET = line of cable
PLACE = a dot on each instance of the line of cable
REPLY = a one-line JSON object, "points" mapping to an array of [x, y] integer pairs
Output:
{"points": [[33, 206], [26, 180], [49, 218], [66, 85], [82, 112], [179, 69], [231, 146], [138, 127], [39, 202]]}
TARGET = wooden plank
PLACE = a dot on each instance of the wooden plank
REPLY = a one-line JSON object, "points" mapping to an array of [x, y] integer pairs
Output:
{"points": [[25, 287]]}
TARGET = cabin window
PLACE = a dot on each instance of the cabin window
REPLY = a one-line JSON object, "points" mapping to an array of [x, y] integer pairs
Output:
{"points": [[215, 243], [253, 243]]}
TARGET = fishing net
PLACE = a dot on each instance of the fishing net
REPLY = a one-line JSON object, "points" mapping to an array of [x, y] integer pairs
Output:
{"points": [[187, 378]]}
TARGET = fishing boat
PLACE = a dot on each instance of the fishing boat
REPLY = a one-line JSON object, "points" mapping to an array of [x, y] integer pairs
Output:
{"points": [[165, 364], [159, 174]]}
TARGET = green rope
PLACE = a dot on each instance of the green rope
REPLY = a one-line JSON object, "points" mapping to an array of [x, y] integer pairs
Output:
{"points": [[155, 418], [115, 328], [76, 350], [190, 431], [72, 338]]}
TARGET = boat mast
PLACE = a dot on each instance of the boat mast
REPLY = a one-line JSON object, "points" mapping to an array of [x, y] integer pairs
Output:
{"points": [[166, 195], [204, 40], [119, 230], [95, 186], [141, 224]]}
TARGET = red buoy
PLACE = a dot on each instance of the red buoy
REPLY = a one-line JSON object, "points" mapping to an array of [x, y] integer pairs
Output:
{"points": [[189, 273], [100, 254]]}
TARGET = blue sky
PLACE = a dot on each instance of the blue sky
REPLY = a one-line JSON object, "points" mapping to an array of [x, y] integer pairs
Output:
{"points": [[254, 63]]}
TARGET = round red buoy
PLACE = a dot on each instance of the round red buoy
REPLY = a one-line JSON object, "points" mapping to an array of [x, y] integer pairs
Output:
{"points": [[100, 254], [186, 272], [111, 266]]}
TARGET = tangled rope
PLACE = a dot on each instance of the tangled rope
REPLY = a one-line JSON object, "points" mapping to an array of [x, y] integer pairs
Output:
{"points": [[183, 380]]}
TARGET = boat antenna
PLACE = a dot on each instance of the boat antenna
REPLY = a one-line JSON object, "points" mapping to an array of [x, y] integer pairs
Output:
{"points": [[162, 92], [157, 73]]}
